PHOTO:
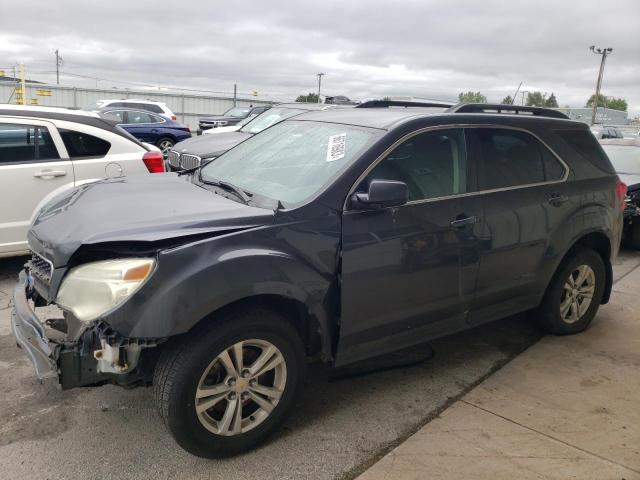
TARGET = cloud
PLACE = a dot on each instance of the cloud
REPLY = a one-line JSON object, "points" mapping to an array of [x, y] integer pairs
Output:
{"points": [[367, 48]]}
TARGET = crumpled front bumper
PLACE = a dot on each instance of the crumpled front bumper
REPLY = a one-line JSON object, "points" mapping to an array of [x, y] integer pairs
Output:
{"points": [[29, 332]]}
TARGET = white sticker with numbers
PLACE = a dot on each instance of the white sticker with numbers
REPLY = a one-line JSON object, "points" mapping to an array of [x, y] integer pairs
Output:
{"points": [[336, 146]]}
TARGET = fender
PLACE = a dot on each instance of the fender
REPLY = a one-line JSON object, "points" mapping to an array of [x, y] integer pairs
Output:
{"points": [[54, 193], [193, 281]]}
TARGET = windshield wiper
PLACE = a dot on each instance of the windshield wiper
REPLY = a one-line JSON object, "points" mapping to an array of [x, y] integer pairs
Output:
{"points": [[230, 187]]}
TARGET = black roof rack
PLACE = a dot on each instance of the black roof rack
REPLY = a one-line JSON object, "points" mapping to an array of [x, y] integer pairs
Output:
{"points": [[402, 103], [509, 109]]}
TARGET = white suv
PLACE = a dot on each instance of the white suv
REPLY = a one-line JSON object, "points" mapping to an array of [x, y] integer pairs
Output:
{"points": [[139, 104], [45, 151]]}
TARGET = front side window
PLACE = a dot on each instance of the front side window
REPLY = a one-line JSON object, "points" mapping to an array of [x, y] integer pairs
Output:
{"points": [[25, 143], [237, 112], [432, 164], [83, 145], [511, 158], [292, 160]]}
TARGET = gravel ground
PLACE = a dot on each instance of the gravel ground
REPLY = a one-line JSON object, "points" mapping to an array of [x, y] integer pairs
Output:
{"points": [[338, 429]]}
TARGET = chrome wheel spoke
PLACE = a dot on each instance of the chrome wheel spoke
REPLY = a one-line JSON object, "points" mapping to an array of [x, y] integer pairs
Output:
{"points": [[565, 306], [237, 357], [226, 361], [205, 405], [582, 275], [264, 357], [587, 291], [262, 402], [213, 390], [229, 416], [266, 391]]}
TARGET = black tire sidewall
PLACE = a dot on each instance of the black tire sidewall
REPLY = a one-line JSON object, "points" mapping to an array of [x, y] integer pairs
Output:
{"points": [[199, 351], [550, 311]]}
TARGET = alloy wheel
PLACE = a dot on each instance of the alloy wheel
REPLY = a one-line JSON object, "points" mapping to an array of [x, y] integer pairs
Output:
{"points": [[165, 147], [577, 294], [240, 387]]}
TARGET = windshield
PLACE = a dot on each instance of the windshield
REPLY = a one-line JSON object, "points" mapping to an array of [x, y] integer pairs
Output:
{"points": [[625, 158], [291, 161], [238, 112], [95, 105], [270, 117]]}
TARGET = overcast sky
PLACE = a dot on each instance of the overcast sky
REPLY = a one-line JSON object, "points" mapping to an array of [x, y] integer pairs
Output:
{"points": [[433, 49]]}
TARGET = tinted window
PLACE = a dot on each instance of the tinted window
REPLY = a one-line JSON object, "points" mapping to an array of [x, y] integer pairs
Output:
{"points": [[81, 145], [432, 164], [119, 114], [139, 117], [117, 104], [586, 146], [511, 158], [151, 107], [25, 143]]}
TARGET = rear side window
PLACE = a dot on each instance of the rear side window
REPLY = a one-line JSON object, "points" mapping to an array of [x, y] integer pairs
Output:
{"points": [[82, 145], [586, 146], [152, 108], [25, 143], [511, 158], [139, 117]]}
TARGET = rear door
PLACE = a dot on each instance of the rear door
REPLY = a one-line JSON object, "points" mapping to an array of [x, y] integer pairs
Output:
{"points": [[32, 167], [408, 272], [523, 193]]}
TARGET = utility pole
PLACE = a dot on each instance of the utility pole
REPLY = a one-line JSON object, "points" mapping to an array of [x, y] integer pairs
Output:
{"points": [[320, 75], [58, 62], [235, 94], [603, 52], [23, 82]]}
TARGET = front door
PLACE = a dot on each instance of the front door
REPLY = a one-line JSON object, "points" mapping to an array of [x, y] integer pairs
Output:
{"points": [[408, 272], [31, 168]]}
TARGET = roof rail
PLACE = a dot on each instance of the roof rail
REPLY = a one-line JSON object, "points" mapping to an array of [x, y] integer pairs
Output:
{"points": [[508, 109], [401, 103]]}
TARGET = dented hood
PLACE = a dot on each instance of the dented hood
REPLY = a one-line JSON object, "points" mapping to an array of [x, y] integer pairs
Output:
{"points": [[144, 208]]}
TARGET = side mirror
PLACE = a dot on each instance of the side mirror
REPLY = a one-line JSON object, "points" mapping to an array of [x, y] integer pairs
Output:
{"points": [[381, 194]]}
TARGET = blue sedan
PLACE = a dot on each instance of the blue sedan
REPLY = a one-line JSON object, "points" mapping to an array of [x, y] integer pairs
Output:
{"points": [[150, 127]]}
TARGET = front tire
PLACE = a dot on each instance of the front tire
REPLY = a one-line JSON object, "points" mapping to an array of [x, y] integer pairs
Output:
{"points": [[229, 385], [574, 294]]}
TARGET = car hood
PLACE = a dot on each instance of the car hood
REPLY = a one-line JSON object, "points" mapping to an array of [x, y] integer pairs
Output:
{"points": [[211, 145], [632, 181], [145, 208]]}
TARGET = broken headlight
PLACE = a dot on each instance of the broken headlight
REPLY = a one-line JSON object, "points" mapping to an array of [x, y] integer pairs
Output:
{"points": [[90, 290]]}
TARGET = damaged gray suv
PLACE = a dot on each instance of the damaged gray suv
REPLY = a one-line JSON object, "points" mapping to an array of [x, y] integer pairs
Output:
{"points": [[337, 236]]}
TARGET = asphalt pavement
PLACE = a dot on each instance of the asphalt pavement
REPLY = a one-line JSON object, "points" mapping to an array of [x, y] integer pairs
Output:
{"points": [[340, 426]]}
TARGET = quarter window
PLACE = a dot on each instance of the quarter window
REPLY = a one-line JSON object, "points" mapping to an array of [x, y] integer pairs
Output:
{"points": [[511, 158], [138, 117], [432, 164], [25, 143], [82, 145]]}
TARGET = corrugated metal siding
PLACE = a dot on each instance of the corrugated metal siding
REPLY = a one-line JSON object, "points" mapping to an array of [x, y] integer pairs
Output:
{"points": [[188, 108]]}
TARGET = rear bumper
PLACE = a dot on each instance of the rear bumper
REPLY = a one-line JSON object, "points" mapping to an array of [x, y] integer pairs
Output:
{"points": [[29, 333]]}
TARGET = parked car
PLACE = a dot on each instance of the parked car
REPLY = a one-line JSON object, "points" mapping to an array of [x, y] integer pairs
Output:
{"points": [[339, 100], [231, 117], [202, 149], [135, 104], [149, 127], [604, 132], [230, 128], [335, 235], [625, 157], [46, 151]]}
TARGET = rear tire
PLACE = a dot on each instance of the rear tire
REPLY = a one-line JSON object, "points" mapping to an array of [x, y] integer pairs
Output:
{"points": [[165, 144], [574, 294], [211, 407]]}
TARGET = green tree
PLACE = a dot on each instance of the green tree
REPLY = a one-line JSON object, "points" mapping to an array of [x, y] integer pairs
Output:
{"points": [[536, 99], [471, 97], [551, 102], [507, 100], [609, 102], [309, 98]]}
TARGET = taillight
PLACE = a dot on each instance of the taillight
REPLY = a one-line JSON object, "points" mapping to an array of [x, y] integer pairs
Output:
{"points": [[621, 192], [173, 117], [154, 161]]}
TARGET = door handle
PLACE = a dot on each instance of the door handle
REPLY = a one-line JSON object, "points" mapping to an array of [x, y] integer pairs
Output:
{"points": [[49, 173], [461, 222], [557, 199]]}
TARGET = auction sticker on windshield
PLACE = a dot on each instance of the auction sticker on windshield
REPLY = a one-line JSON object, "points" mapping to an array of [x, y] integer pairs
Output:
{"points": [[336, 147]]}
